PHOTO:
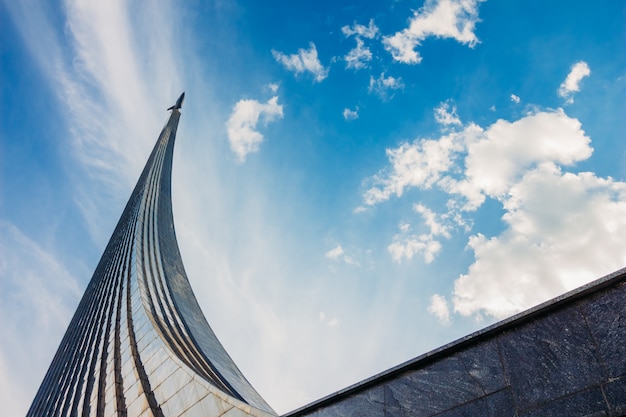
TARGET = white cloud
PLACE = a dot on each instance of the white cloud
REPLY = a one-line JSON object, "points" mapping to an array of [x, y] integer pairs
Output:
{"points": [[439, 308], [351, 114], [446, 114], [104, 81], [369, 32], [242, 124], [338, 254], [359, 56], [407, 247], [383, 85], [419, 164], [433, 221], [273, 87], [515, 99], [497, 159], [335, 253], [404, 227], [455, 19], [571, 84], [563, 230], [305, 60], [406, 244]]}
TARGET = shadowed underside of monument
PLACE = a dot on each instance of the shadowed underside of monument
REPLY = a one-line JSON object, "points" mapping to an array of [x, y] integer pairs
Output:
{"points": [[138, 344]]}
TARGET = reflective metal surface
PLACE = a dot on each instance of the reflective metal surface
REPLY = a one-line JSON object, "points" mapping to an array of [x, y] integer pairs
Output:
{"points": [[138, 344]]}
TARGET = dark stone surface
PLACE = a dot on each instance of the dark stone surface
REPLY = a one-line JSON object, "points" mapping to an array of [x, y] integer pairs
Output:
{"points": [[367, 403], [606, 316], [433, 389], [550, 358], [484, 364], [615, 392], [586, 403], [498, 404]]}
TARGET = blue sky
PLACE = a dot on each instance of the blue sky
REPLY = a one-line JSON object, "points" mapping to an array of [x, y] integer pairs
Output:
{"points": [[354, 184]]}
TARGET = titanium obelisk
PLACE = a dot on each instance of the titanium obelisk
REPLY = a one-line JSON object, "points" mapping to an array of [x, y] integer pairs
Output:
{"points": [[138, 344]]}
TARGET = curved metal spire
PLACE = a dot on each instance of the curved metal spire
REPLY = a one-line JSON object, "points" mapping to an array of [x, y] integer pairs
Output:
{"points": [[138, 344]]}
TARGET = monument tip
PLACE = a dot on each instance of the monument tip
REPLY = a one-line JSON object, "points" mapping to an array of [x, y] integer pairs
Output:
{"points": [[179, 102]]}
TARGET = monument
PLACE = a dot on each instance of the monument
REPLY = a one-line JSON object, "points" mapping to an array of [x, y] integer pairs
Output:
{"points": [[138, 344]]}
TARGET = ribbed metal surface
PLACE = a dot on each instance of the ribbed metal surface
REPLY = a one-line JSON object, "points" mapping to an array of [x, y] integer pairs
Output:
{"points": [[138, 344]]}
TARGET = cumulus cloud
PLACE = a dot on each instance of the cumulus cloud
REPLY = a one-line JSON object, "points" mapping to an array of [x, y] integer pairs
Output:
{"points": [[446, 115], [242, 130], [561, 229], [439, 308], [497, 159], [492, 159], [351, 114], [369, 32], [305, 60], [407, 247], [406, 244], [433, 221], [454, 19], [515, 99], [359, 56], [383, 86], [419, 164], [571, 85]]}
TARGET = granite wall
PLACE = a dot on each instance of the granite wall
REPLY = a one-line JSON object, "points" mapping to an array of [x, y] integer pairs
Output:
{"points": [[565, 358]]}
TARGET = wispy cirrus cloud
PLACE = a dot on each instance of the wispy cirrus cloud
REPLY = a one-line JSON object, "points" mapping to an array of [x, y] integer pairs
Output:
{"points": [[454, 19], [106, 84], [37, 290], [243, 136], [305, 60]]}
